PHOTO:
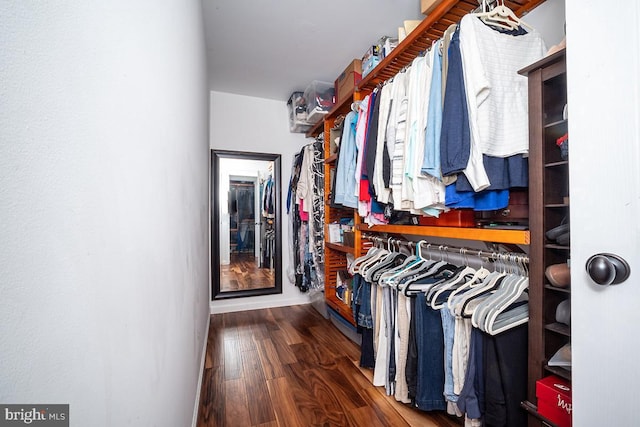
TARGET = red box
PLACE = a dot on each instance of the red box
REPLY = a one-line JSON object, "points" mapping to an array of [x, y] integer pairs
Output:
{"points": [[347, 80], [453, 218], [554, 400]]}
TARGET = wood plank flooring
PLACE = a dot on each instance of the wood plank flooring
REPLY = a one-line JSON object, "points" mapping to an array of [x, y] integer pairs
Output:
{"points": [[289, 366], [244, 273]]}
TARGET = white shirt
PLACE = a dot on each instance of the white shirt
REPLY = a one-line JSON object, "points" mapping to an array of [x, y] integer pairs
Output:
{"points": [[497, 96], [496, 93]]}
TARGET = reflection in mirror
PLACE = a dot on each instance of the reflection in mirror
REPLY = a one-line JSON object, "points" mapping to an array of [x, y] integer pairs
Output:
{"points": [[245, 224]]}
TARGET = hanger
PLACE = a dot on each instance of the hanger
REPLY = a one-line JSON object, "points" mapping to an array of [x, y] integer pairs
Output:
{"points": [[512, 309], [386, 278], [393, 256], [465, 305], [475, 280], [438, 269], [417, 261], [494, 300], [371, 261], [460, 278], [500, 16], [420, 263], [503, 308], [374, 261], [355, 265]]}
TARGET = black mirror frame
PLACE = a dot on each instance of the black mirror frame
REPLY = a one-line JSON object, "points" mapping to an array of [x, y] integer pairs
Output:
{"points": [[216, 155]]}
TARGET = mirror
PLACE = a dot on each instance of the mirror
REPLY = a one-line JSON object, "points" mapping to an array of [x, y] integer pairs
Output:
{"points": [[245, 224]]}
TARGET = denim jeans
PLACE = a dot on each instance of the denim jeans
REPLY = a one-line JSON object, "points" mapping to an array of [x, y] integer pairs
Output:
{"points": [[362, 302], [430, 346], [448, 329], [471, 399]]}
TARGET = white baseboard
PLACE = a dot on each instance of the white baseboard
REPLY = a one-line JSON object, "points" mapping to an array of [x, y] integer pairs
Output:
{"points": [[233, 305], [194, 423]]}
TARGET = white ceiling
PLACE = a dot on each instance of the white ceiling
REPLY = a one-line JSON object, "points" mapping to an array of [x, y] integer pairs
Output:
{"points": [[270, 48]]}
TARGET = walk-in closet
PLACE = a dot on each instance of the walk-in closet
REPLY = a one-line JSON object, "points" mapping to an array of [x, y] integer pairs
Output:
{"points": [[319, 213], [434, 177]]}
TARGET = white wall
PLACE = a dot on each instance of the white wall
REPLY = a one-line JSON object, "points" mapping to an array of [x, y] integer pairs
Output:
{"points": [[104, 208], [548, 19], [244, 123]]}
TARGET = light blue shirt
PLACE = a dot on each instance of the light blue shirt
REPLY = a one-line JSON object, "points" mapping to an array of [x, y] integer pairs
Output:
{"points": [[345, 184], [431, 158]]}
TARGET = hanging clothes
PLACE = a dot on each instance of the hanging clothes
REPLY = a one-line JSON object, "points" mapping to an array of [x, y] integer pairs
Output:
{"points": [[305, 206], [494, 89], [437, 334], [345, 175]]}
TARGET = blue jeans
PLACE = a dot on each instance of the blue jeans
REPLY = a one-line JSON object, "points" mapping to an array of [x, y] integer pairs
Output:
{"points": [[430, 346], [448, 328], [471, 399], [362, 302]]}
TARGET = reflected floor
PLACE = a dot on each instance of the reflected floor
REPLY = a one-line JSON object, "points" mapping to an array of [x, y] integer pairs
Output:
{"points": [[244, 273]]}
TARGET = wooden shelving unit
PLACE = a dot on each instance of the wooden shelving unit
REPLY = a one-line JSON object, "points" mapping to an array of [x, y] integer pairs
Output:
{"points": [[429, 30], [549, 207]]}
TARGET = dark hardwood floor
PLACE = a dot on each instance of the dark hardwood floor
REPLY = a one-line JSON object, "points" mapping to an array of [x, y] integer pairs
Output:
{"points": [[244, 273], [289, 366]]}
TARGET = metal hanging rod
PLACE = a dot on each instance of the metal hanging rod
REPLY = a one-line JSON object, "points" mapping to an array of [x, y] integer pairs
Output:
{"points": [[494, 255]]}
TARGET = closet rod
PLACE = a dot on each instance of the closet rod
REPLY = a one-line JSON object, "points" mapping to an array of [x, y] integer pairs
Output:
{"points": [[447, 248]]}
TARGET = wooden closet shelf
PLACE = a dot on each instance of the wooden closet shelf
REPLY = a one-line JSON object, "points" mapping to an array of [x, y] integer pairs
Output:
{"points": [[556, 164], [341, 108], [554, 246], [557, 289], [561, 372], [518, 237], [316, 129], [533, 410], [339, 306], [556, 123], [559, 328], [340, 248], [429, 30]]}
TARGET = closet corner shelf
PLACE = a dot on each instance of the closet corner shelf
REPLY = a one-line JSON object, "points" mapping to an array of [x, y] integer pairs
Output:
{"points": [[340, 248], [518, 237]]}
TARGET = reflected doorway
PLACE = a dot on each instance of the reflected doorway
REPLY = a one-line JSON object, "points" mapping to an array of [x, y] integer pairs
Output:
{"points": [[250, 259]]}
